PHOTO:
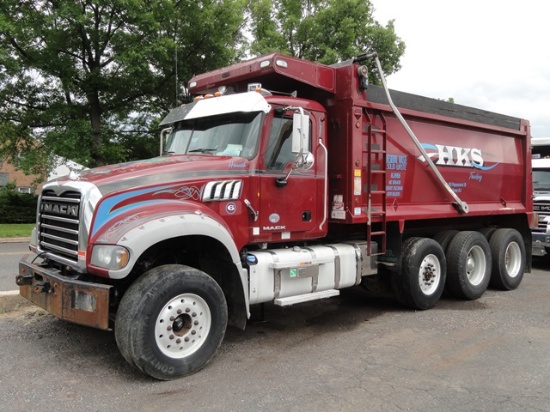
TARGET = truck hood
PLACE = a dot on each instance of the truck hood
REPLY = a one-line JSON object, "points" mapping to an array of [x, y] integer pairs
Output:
{"points": [[158, 170]]}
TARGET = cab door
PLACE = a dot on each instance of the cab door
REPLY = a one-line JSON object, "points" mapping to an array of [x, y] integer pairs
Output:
{"points": [[291, 202]]}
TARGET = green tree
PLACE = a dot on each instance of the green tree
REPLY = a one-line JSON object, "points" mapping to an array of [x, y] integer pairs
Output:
{"points": [[85, 79], [326, 31]]}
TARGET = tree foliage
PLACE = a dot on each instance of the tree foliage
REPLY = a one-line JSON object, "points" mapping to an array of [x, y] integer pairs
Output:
{"points": [[16, 207], [89, 80], [83, 78], [326, 31]]}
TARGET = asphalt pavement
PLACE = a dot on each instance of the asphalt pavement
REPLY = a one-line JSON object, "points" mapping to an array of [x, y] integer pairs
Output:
{"points": [[347, 353], [11, 251]]}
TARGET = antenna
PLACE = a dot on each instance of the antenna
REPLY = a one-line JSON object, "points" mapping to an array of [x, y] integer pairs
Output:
{"points": [[176, 64], [176, 59]]}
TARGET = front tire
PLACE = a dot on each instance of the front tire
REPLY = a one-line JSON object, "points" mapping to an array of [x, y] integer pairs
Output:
{"points": [[469, 265], [171, 321], [421, 280]]}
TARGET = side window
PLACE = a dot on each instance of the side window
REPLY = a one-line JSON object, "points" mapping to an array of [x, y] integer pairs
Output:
{"points": [[279, 151], [280, 139]]}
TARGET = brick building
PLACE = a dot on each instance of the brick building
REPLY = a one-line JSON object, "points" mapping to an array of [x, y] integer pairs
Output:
{"points": [[24, 183]]}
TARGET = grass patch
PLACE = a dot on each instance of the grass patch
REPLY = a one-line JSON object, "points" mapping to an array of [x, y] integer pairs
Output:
{"points": [[16, 230]]}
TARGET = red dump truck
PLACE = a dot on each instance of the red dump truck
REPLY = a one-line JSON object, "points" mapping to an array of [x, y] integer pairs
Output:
{"points": [[284, 181]]}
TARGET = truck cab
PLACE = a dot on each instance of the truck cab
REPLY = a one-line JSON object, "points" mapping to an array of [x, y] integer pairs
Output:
{"points": [[541, 195], [276, 144]]}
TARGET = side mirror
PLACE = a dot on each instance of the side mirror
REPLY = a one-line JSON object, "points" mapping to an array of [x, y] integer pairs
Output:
{"points": [[163, 134], [300, 133], [300, 146], [305, 161]]}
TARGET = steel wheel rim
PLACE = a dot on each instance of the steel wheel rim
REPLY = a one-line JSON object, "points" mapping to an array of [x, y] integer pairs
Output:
{"points": [[512, 259], [476, 265], [182, 325], [429, 274]]}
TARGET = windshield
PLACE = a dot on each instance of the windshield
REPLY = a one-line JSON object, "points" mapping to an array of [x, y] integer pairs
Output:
{"points": [[541, 180], [233, 134]]}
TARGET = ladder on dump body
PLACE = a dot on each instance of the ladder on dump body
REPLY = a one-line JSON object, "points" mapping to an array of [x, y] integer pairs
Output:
{"points": [[375, 152]]}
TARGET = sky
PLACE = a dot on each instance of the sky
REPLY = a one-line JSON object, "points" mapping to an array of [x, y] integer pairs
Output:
{"points": [[489, 54]]}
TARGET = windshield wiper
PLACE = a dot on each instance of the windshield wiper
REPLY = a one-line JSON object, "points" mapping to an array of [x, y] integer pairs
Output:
{"points": [[202, 150]]}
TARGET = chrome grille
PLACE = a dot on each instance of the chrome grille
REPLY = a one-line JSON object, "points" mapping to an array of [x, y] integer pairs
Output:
{"points": [[542, 207], [58, 222]]}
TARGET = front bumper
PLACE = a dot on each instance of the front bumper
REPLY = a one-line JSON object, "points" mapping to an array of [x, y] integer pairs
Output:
{"points": [[541, 241], [72, 300]]}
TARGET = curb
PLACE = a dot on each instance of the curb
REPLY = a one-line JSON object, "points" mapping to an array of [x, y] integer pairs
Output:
{"points": [[15, 240], [11, 300]]}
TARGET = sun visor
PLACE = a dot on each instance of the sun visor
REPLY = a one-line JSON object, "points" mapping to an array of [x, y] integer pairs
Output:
{"points": [[233, 103]]}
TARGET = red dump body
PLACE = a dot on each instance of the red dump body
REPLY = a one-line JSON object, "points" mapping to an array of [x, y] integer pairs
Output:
{"points": [[484, 157]]}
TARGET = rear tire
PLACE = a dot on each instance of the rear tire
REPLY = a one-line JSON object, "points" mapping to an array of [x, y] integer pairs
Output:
{"points": [[487, 232], [469, 265], [444, 238], [421, 280], [171, 321], [508, 253]]}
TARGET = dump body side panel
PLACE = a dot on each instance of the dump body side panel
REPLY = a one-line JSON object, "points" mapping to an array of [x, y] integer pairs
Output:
{"points": [[484, 157]]}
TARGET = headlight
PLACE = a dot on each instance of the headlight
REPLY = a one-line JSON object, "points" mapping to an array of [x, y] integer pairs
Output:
{"points": [[110, 256]]}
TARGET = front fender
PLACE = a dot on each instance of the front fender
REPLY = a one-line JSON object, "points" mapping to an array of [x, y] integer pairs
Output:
{"points": [[142, 232], [145, 228], [141, 238]]}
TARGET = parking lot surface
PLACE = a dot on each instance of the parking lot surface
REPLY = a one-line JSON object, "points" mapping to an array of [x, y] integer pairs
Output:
{"points": [[348, 353]]}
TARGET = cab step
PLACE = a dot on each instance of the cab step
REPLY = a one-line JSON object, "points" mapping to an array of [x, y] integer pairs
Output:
{"points": [[307, 297]]}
